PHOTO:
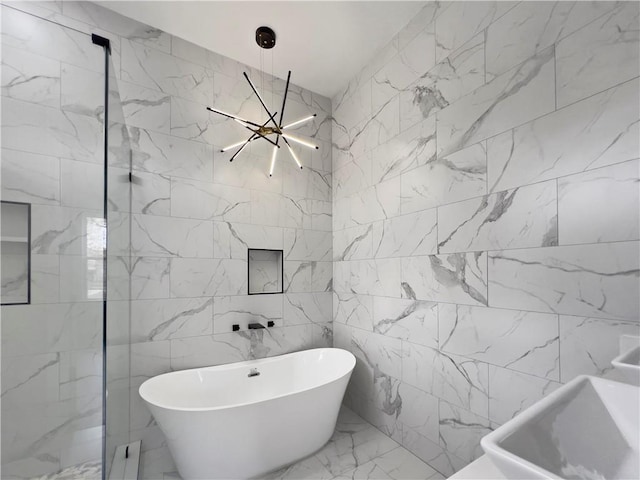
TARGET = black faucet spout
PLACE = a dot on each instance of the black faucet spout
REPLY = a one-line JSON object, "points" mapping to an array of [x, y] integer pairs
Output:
{"points": [[255, 326]]}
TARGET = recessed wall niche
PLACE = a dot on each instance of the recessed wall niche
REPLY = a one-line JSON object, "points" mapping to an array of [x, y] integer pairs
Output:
{"points": [[15, 255], [265, 271]]}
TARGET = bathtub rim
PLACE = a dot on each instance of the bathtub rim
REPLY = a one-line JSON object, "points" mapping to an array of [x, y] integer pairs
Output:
{"points": [[348, 372]]}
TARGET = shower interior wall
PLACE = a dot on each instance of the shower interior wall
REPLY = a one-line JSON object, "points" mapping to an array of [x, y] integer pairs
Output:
{"points": [[177, 235]]}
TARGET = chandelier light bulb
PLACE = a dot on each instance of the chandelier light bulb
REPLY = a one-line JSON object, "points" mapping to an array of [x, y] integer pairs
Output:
{"points": [[298, 122], [299, 140], [273, 161]]}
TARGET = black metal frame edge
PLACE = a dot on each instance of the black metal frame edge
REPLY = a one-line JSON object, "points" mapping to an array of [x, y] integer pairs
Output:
{"points": [[249, 250], [28, 302]]}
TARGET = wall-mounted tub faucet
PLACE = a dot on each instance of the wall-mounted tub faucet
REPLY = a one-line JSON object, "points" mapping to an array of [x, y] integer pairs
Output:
{"points": [[255, 326]]}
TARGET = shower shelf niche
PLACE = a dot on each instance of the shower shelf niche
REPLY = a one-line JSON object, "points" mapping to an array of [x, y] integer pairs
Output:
{"points": [[265, 271]]}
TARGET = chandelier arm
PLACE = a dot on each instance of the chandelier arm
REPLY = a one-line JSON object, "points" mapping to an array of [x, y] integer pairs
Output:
{"points": [[260, 98], [293, 154], [299, 122], [233, 117], [298, 140], [284, 102], [251, 138]]}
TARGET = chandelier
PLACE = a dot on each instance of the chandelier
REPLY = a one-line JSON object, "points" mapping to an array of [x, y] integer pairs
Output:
{"points": [[271, 130]]}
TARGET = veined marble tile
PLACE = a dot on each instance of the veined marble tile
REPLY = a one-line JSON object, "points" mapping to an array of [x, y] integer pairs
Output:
{"points": [[156, 236], [424, 17], [391, 238], [298, 212], [149, 359], [419, 411], [30, 77], [302, 308], [457, 278], [601, 205], [590, 280], [245, 309], [414, 147], [81, 278], [529, 28], [149, 278], [307, 245], [515, 97], [82, 91], [193, 121], [266, 208], [366, 471], [523, 217], [249, 171], [523, 341], [401, 464], [379, 354], [375, 277], [512, 392], [416, 58], [352, 177], [297, 276], [461, 73], [353, 105], [62, 326], [164, 319], [595, 132], [204, 351], [30, 380], [162, 154], [353, 243], [30, 178], [309, 468], [376, 203], [145, 108], [45, 279], [587, 345], [306, 183], [62, 230], [457, 380], [81, 184], [413, 320], [96, 15], [353, 310], [232, 240], [154, 69], [383, 125], [150, 193], [455, 177], [208, 277], [59, 134], [461, 431], [194, 199], [599, 56], [348, 450], [432, 453], [50, 40], [80, 373], [463, 20]]}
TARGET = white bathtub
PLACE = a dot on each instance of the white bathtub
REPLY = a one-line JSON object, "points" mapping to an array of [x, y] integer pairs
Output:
{"points": [[222, 423]]}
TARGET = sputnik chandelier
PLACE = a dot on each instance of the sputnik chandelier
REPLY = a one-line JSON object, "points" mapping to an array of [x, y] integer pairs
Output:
{"points": [[270, 131]]}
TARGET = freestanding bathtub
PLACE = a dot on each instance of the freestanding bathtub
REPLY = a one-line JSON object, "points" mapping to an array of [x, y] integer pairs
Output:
{"points": [[245, 419]]}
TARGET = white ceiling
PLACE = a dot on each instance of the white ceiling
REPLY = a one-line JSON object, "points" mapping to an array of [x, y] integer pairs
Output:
{"points": [[324, 43]]}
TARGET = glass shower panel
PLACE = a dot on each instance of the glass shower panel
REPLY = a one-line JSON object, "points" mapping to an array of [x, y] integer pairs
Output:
{"points": [[52, 159], [118, 306]]}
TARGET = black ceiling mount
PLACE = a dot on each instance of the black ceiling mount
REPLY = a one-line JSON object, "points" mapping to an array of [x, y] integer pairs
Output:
{"points": [[265, 37]]}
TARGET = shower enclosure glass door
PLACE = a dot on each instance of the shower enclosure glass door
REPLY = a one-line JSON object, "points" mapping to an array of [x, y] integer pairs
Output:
{"points": [[56, 414]]}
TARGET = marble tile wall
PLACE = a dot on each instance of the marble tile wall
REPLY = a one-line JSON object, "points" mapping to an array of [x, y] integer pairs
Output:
{"points": [[192, 217], [486, 191]]}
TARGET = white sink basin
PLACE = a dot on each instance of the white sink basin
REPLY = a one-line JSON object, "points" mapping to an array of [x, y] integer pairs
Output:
{"points": [[629, 365], [587, 429]]}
